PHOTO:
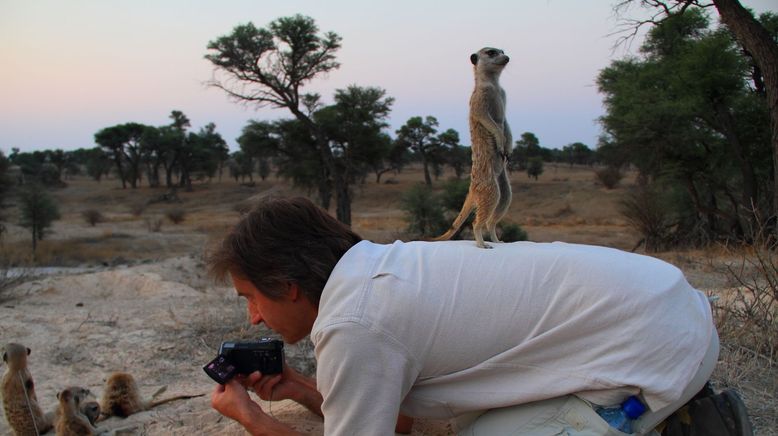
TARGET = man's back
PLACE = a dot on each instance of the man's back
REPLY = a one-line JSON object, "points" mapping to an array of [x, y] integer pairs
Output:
{"points": [[471, 329]]}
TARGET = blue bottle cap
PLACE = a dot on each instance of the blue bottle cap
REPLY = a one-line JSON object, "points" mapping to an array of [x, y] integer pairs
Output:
{"points": [[633, 407]]}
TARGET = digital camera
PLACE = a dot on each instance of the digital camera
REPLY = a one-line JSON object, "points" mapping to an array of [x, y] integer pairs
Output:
{"points": [[264, 355]]}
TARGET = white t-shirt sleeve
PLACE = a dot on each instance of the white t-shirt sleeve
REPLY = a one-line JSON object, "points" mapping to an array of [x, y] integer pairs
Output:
{"points": [[363, 376]]}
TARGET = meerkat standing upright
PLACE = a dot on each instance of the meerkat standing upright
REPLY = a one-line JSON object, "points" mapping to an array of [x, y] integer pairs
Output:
{"points": [[490, 190], [20, 403]]}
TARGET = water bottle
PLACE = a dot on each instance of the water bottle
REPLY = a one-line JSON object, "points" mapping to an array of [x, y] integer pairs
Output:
{"points": [[621, 417]]}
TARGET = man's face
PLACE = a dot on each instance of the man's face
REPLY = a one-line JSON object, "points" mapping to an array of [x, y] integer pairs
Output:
{"points": [[291, 316]]}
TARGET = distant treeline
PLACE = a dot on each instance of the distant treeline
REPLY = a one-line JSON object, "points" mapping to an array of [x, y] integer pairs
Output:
{"points": [[690, 113]]}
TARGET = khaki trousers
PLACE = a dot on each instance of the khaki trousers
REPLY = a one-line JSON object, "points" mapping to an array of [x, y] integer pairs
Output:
{"points": [[570, 415]]}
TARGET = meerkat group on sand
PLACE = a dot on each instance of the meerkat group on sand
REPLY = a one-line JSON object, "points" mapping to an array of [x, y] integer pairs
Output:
{"points": [[490, 189], [77, 412]]}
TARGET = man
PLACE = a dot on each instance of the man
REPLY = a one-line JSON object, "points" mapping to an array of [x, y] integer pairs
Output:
{"points": [[525, 338]]}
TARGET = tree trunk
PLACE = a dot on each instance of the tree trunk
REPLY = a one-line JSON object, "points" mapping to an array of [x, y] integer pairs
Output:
{"points": [[427, 178], [120, 170], [764, 50], [343, 201]]}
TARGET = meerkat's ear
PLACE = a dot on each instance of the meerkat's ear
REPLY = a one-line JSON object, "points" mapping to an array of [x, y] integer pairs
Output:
{"points": [[5, 357], [29, 351], [474, 58]]}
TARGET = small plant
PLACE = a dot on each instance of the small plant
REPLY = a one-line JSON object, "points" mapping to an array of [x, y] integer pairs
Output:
{"points": [[609, 176], [176, 216], [154, 225], [512, 232], [92, 216]]}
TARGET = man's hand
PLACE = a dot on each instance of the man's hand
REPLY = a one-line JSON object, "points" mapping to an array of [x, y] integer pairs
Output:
{"points": [[233, 401], [289, 385]]}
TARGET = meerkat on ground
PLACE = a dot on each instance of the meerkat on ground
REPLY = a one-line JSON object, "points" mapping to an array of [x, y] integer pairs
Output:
{"points": [[121, 397], [87, 404], [22, 410], [71, 420], [490, 190]]}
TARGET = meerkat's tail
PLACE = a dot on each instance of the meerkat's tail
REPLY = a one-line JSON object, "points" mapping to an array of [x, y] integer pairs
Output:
{"points": [[156, 403], [467, 207]]}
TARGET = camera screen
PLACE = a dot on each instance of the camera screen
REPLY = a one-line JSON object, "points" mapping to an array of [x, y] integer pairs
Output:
{"points": [[220, 369]]}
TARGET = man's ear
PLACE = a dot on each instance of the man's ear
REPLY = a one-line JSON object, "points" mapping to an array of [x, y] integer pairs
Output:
{"points": [[294, 291], [473, 58]]}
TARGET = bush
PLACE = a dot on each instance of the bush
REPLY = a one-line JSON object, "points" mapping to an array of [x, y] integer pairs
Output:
{"points": [[454, 194], [644, 210], [749, 314], [424, 211], [92, 216], [609, 176], [512, 233], [154, 224], [176, 216], [535, 167]]}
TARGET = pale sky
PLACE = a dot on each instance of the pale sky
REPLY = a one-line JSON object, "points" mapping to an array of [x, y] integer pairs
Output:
{"points": [[70, 68]]}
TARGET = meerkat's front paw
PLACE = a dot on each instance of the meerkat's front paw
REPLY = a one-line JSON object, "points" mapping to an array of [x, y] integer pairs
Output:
{"points": [[483, 245]]}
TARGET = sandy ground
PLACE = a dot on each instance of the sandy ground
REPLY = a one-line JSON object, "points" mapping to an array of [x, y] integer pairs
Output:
{"points": [[160, 322]]}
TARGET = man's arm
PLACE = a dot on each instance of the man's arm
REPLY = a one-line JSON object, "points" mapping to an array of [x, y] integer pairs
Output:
{"points": [[363, 375], [305, 393], [233, 401]]}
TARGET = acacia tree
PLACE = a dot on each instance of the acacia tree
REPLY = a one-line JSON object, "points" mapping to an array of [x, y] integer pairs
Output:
{"points": [[685, 114], [419, 135], [353, 125], [759, 43], [269, 66], [124, 142]]}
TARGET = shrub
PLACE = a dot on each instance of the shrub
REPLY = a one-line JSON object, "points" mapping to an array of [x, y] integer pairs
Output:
{"points": [[644, 210], [454, 194], [176, 216], [535, 167], [512, 232], [154, 224], [609, 176], [92, 216], [424, 211]]}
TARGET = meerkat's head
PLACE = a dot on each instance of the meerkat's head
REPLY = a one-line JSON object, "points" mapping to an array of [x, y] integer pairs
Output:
{"points": [[15, 355], [66, 397], [490, 60]]}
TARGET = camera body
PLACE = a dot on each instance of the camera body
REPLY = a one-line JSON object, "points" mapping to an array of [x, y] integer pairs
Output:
{"points": [[264, 355]]}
